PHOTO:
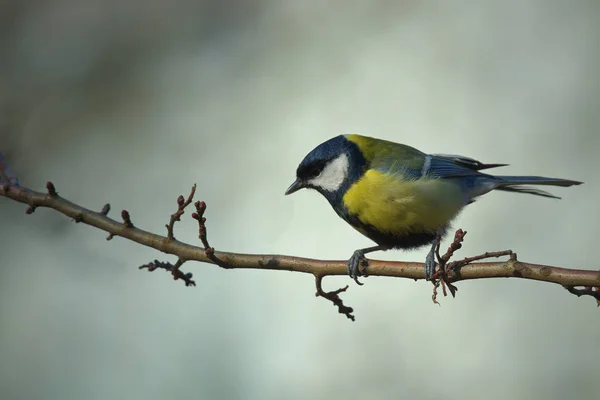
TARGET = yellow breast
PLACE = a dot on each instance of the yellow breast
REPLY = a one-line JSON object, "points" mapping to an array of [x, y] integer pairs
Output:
{"points": [[398, 206]]}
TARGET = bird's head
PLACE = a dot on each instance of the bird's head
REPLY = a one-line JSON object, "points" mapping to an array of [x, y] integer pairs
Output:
{"points": [[330, 168]]}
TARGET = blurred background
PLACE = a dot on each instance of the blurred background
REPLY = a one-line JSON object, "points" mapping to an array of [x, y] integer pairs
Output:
{"points": [[131, 102]]}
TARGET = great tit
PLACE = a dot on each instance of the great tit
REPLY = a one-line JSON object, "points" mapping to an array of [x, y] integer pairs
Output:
{"points": [[398, 196]]}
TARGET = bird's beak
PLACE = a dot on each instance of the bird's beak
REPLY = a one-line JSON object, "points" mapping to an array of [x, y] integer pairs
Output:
{"points": [[294, 187]]}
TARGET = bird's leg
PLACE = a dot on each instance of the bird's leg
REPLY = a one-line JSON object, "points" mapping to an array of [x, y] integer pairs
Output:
{"points": [[357, 258], [430, 259]]}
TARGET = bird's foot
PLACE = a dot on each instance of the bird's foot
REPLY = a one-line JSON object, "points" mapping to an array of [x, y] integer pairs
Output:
{"points": [[430, 265], [430, 259], [358, 258]]}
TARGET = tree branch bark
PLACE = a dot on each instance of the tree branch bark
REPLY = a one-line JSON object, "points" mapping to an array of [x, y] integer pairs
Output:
{"points": [[462, 270]]}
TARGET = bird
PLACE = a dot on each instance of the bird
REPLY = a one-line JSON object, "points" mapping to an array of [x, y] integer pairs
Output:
{"points": [[398, 196]]}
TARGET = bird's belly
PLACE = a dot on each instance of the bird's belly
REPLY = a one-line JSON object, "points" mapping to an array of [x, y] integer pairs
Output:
{"points": [[398, 212]]}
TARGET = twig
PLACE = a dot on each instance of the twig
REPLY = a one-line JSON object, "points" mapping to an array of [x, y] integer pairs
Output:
{"points": [[202, 233], [593, 291], [334, 297], [441, 277], [173, 269], [447, 272], [455, 265], [456, 245], [176, 216]]}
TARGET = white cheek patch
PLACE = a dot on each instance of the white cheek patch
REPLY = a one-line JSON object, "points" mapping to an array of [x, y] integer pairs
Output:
{"points": [[333, 175]]}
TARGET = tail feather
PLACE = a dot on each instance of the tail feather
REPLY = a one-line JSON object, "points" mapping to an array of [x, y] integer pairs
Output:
{"points": [[528, 190], [513, 184]]}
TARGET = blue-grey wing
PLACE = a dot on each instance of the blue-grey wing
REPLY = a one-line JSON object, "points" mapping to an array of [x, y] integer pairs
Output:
{"points": [[452, 166], [468, 162], [463, 171], [393, 158]]}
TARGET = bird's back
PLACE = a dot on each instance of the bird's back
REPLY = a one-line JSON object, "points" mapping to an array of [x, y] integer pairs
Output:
{"points": [[389, 157]]}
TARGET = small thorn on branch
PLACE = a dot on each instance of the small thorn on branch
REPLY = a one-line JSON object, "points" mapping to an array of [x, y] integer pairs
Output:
{"points": [[182, 203], [334, 297], [126, 219], [51, 189], [106, 209], [173, 269]]}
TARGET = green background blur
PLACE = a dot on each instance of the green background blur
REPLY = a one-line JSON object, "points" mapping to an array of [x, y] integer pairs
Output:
{"points": [[131, 102]]}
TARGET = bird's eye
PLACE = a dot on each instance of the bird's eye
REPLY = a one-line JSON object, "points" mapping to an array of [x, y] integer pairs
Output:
{"points": [[311, 170], [314, 171]]}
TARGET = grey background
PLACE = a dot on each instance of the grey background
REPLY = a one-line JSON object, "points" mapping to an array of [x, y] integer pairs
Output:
{"points": [[131, 102]]}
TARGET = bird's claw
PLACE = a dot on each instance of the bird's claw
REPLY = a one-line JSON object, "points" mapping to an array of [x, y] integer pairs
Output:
{"points": [[354, 265], [430, 259], [430, 264]]}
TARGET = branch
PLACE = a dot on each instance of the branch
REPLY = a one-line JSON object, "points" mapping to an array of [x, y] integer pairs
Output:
{"points": [[448, 273]]}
